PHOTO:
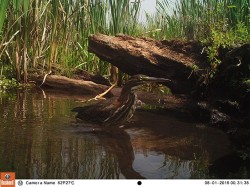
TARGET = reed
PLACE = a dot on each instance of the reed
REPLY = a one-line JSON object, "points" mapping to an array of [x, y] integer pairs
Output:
{"points": [[195, 19], [3, 8], [38, 35]]}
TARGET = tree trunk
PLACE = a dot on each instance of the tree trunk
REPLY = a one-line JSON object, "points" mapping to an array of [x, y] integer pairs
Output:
{"points": [[153, 58]]}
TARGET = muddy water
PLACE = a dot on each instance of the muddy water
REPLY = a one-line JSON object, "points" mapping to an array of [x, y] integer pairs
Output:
{"points": [[40, 138]]}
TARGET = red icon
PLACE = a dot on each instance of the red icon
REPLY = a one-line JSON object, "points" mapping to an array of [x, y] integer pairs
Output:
{"points": [[7, 179]]}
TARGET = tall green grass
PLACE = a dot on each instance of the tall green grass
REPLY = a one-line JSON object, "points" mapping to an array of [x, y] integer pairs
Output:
{"points": [[4, 5], [38, 35], [215, 23], [52, 33], [195, 19]]}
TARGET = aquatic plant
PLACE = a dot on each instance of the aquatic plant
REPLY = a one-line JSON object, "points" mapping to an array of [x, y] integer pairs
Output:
{"points": [[43, 34]]}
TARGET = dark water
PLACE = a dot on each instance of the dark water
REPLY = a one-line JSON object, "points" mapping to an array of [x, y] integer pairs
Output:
{"points": [[40, 138]]}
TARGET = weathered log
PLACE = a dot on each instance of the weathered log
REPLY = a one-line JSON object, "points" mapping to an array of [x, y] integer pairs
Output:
{"points": [[87, 76], [150, 57], [67, 84]]}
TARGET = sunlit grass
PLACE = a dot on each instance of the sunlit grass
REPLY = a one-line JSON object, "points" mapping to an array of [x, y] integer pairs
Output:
{"points": [[51, 33], [39, 35], [193, 19]]}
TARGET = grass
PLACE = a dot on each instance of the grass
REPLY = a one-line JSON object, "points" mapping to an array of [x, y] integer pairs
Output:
{"points": [[59, 30], [193, 19], [39, 35], [214, 23]]}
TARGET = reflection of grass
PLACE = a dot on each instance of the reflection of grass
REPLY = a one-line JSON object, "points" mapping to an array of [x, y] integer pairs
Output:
{"points": [[193, 169], [36, 146], [201, 166]]}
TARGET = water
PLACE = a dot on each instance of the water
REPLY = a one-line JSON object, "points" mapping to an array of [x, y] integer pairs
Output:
{"points": [[40, 139]]}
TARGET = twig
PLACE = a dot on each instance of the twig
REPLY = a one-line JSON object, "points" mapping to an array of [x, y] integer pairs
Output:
{"points": [[45, 78], [100, 96]]}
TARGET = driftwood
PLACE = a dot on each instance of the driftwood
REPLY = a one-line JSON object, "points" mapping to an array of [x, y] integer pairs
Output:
{"points": [[72, 85], [150, 57], [88, 76]]}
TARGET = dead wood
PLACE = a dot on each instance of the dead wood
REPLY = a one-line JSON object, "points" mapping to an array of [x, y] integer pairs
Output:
{"points": [[72, 85], [150, 57]]}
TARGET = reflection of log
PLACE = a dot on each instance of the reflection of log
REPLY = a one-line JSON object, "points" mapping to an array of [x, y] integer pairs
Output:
{"points": [[67, 84], [149, 57]]}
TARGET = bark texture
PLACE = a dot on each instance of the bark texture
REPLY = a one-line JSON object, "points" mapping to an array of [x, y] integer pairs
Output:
{"points": [[182, 64]]}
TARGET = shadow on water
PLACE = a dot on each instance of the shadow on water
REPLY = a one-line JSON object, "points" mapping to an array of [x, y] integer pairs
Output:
{"points": [[39, 138]]}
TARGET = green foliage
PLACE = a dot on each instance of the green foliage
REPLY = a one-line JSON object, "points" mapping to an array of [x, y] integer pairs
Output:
{"points": [[3, 8], [6, 84], [247, 84], [224, 37], [192, 19], [44, 33], [123, 16], [218, 24]]}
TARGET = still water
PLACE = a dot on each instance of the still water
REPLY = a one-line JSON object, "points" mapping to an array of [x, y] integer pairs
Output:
{"points": [[40, 139]]}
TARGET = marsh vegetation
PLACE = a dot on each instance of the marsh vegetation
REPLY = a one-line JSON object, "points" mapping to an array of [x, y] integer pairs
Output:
{"points": [[38, 35]]}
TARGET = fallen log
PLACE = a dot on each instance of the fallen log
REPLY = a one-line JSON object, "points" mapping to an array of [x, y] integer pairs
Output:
{"points": [[150, 57], [72, 85]]}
